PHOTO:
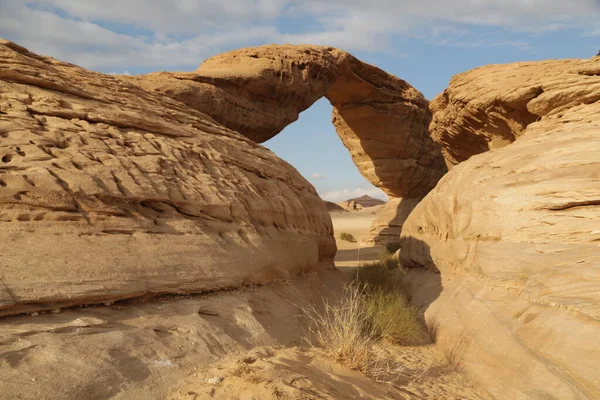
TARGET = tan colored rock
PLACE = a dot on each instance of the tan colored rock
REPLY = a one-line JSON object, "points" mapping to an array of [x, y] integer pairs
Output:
{"points": [[168, 348], [490, 107], [361, 202], [109, 191], [334, 207], [388, 224], [382, 120], [126, 187], [514, 232]]}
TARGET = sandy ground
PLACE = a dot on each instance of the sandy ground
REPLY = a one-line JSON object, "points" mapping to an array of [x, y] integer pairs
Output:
{"points": [[358, 224], [241, 344]]}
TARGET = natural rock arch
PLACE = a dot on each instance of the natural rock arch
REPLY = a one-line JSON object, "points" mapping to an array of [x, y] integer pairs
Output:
{"points": [[381, 119], [128, 188]]}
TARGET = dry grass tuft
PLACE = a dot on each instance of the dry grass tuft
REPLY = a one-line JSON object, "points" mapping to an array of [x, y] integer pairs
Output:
{"points": [[372, 309], [343, 330], [379, 275], [394, 319], [348, 237]]}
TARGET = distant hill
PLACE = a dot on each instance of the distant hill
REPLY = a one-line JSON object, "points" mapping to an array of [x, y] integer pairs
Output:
{"points": [[361, 202], [334, 207]]}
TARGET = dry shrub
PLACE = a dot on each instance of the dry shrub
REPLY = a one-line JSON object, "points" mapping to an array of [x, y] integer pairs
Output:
{"points": [[394, 319], [371, 309], [378, 275], [348, 237], [343, 330], [387, 259]]}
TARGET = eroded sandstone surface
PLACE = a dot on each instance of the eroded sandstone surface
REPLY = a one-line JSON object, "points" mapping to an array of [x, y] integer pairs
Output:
{"points": [[512, 234], [381, 119], [109, 191], [490, 107], [115, 186]]}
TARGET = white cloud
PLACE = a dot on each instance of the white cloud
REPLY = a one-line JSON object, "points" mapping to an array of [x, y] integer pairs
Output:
{"points": [[594, 33], [168, 17], [317, 177], [92, 46], [337, 196], [512, 13], [169, 34]]}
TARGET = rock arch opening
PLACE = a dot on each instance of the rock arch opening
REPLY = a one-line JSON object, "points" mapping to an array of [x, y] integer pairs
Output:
{"points": [[381, 119], [312, 146]]}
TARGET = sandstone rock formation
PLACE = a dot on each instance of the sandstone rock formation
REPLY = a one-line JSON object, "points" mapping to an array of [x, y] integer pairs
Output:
{"points": [[334, 207], [361, 202], [514, 231], [387, 227], [109, 191], [382, 120], [478, 112], [167, 349], [133, 186]]}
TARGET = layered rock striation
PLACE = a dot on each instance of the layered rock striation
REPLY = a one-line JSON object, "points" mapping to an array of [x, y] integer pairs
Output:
{"points": [[114, 187], [109, 191], [381, 119], [511, 234]]}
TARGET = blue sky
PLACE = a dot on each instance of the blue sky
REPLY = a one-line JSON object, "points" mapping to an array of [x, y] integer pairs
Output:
{"points": [[424, 42]]}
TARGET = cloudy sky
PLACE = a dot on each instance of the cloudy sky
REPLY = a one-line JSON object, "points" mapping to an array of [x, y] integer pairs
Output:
{"points": [[422, 41]]}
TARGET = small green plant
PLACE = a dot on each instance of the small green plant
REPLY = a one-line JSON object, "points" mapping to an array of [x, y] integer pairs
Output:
{"points": [[394, 319], [391, 315], [378, 275], [348, 237]]}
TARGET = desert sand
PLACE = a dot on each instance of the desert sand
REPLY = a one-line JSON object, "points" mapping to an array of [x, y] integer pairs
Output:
{"points": [[242, 344], [358, 224]]}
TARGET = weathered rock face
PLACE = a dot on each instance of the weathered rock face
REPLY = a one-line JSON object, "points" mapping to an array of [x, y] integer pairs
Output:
{"points": [[382, 120], [334, 207], [125, 187], [387, 227], [514, 232], [109, 191], [489, 108]]}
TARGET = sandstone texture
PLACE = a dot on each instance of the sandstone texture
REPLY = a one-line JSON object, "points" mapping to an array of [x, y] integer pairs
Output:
{"points": [[512, 235], [387, 227], [133, 186], [334, 207], [227, 345], [381, 119], [109, 191], [490, 107]]}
